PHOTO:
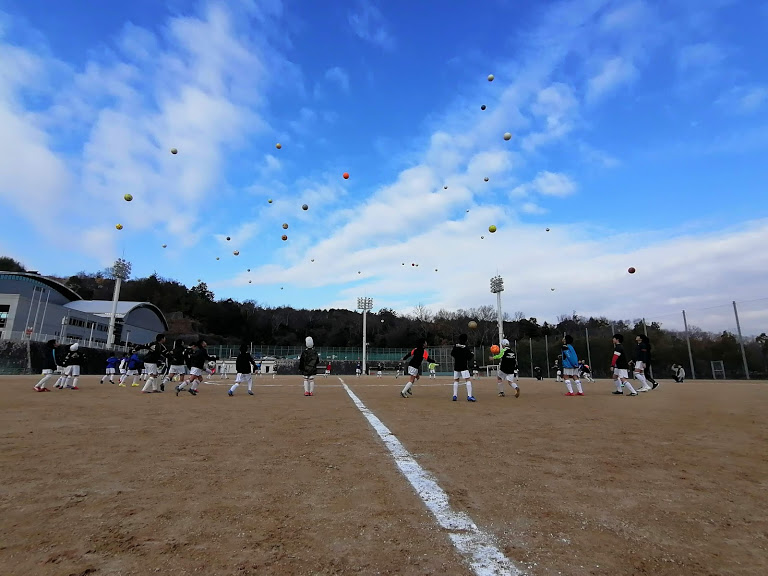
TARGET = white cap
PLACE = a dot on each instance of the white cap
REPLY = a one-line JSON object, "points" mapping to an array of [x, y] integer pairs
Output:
{"points": [[505, 343], [74, 347], [310, 342]]}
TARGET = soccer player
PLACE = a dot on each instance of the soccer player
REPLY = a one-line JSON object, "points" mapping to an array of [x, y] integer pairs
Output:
{"points": [[648, 376], [399, 370], [559, 373], [475, 370], [224, 370], [111, 369], [432, 367], [571, 367], [157, 352], [641, 361], [327, 370], [177, 358], [198, 360], [245, 364], [49, 365], [379, 369], [123, 367], [619, 367], [417, 356], [358, 370], [507, 368], [308, 362], [585, 372], [132, 367], [461, 357], [73, 361], [678, 372]]}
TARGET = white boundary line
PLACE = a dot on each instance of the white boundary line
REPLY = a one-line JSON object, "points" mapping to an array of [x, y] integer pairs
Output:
{"points": [[477, 547]]}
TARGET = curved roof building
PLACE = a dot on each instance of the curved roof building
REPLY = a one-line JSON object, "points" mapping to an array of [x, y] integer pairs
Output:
{"points": [[52, 310]]}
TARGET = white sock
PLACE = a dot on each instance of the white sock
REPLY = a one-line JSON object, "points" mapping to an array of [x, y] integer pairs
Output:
{"points": [[578, 387], [628, 384], [74, 382], [195, 384], [234, 387], [455, 387], [306, 385], [311, 385], [500, 385], [469, 388], [43, 380], [568, 385], [149, 386], [68, 381], [135, 380], [640, 376], [617, 382], [60, 381], [250, 385]]}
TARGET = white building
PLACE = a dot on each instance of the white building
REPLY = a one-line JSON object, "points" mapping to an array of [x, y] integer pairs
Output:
{"points": [[48, 309]]}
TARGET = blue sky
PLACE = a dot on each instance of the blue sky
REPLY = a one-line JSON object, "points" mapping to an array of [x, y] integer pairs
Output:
{"points": [[639, 138]]}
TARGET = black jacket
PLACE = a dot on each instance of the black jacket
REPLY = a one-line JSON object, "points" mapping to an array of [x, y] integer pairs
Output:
{"points": [[461, 357], [156, 353], [49, 357], [244, 363], [308, 362]]}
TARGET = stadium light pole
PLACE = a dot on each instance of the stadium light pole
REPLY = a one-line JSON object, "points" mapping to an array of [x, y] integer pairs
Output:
{"points": [[364, 304], [120, 271], [497, 287]]}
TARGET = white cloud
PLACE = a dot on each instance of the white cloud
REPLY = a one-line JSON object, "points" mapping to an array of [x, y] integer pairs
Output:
{"points": [[744, 99], [368, 23], [339, 76], [557, 106], [532, 208], [547, 184], [188, 92], [612, 73], [700, 55]]}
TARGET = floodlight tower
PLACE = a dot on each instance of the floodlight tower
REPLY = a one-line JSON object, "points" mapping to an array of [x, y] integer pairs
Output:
{"points": [[120, 271], [364, 304], [497, 287]]}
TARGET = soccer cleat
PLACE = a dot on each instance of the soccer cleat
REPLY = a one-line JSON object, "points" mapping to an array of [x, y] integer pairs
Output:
{"points": [[517, 392], [146, 392], [177, 389], [311, 393], [569, 394], [162, 387], [193, 392], [618, 392], [38, 389], [250, 392], [121, 385], [403, 394], [455, 398], [471, 399], [579, 393], [655, 385], [136, 385], [501, 394], [306, 393], [633, 393], [230, 393], [75, 388], [410, 392]]}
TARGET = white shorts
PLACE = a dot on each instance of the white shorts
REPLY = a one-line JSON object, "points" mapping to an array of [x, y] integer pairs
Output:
{"points": [[378, 373], [413, 371], [243, 378], [357, 371], [507, 377], [620, 372], [639, 366], [178, 369], [47, 371], [310, 377], [60, 369], [131, 372], [327, 371], [460, 374], [432, 371], [571, 371], [110, 371], [195, 371], [72, 371], [150, 368]]}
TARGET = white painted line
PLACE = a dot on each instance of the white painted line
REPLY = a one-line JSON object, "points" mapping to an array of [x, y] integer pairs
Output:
{"points": [[477, 547]]}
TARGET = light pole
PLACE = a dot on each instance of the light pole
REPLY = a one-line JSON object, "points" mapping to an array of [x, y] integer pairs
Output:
{"points": [[120, 271], [364, 304], [497, 287]]}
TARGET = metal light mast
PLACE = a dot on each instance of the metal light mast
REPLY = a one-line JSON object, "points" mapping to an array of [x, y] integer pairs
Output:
{"points": [[120, 271], [497, 287], [364, 304]]}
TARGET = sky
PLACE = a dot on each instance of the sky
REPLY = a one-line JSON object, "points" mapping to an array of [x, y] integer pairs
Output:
{"points": [[639, 136]]}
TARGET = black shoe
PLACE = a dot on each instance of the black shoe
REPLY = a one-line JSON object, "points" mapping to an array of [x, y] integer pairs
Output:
{"points": [[162, 387], [403, 394], [655, 385], [618, 392], [193, 392]]}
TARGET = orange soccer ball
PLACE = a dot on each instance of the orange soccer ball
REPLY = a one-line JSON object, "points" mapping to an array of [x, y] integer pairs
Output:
{"points": [[495, 349], [345, 175]]}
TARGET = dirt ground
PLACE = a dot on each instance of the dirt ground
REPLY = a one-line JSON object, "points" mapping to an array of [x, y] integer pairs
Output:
{"points": [[108, 481]]}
